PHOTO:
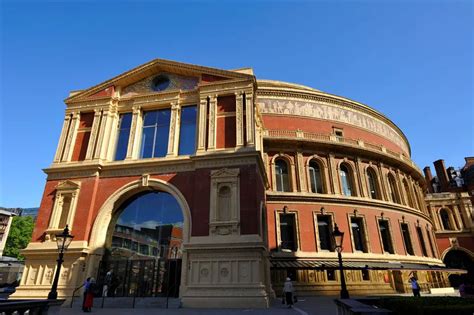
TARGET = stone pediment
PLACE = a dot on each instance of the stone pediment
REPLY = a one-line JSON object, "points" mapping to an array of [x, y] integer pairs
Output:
{"points": [[225, 172], [68, 185], [157, 76]]}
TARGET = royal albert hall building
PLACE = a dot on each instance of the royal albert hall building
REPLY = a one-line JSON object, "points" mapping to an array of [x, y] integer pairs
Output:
{"points": [[213, 186]]}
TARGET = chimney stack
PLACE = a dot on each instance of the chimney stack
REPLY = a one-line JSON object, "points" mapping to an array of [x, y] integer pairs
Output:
{"points": [[442, 175], [429, 178]]}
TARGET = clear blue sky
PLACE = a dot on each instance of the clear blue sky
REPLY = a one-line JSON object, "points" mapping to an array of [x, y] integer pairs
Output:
{"points": [[413, 61]]}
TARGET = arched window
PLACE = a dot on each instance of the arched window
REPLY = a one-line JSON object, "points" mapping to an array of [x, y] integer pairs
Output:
{"points": [[417, 201], [443, 213], [346, 181], [372, 181], [393, 189], [408, 194], [315, 177], [281, 175]]}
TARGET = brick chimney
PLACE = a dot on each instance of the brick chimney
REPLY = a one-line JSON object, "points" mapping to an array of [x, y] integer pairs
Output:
{"points": [[429, 178], [442, 175]]}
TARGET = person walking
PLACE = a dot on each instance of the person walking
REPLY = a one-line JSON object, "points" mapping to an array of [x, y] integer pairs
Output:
{"points": [[89, 300], [288, 290], [415, 287]]}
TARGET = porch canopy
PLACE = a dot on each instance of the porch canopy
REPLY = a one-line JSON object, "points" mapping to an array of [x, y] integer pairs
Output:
{"points": [[312, 264]]}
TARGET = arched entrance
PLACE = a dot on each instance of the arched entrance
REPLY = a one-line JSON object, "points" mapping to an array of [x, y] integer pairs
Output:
{"points": [[143, 249], [138, 234], [460, 260]]}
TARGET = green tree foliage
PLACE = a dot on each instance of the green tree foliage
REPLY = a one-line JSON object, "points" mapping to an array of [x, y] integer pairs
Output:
{"points": [[19, 236]]}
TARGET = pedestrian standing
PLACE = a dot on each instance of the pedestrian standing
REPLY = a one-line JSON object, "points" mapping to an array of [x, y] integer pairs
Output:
{"points": [[86, 288], [288, 290], [415, 287], [89, 301]]}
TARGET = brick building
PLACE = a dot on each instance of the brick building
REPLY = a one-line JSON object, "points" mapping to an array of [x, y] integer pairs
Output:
{"points": [[245, 178], [450, 198]]}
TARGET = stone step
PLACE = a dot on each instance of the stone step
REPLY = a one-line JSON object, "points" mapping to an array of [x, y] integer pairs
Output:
{"points": [[127, 302]]}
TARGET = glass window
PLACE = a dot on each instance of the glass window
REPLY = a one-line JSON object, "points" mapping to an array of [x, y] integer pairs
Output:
{"points": [[123, 135], [371, 178], [156, 126], [407, 239], [324, 232], [422, 241], [393, 189], [288, 231], [358, 234], [346, 181], [386, 238], [281, 174], [315, 177], [187, 133], [445, 219]]}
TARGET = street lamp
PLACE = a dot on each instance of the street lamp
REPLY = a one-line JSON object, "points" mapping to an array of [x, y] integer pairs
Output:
{"points": [[338, 237], [63, 240]]}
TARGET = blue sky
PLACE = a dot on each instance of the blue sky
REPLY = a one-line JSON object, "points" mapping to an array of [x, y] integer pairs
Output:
{"points": [[411, 60]]}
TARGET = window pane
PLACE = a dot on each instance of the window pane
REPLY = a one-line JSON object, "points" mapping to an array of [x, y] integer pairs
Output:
{"points": [[385, 234], [287, 231], [161, 141], [345, 181], [407, 238], [358, 234], [123, 135], [422, 241], [187, 135], [281, 174], [148, 139], [324, 232], [315, 178], [372, 185]]}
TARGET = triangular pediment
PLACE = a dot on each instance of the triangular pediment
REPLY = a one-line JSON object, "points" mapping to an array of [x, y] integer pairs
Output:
{"points": [[157, 76], [225, 172], [68, 185]]}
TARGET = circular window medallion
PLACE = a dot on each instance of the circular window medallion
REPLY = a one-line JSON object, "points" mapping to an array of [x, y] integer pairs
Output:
{"points": [[160, 83]]}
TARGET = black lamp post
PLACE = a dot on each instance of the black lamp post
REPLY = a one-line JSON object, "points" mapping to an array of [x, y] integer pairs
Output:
{"points": [[63, 240], [338, 237]]}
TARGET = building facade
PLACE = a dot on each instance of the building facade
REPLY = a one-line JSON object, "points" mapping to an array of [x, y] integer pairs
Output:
{"points": [[449, 200], [216, 186]]}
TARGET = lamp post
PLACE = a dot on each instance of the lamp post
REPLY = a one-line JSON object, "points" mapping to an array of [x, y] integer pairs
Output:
{"points": [[338, 237], [63, 240]]}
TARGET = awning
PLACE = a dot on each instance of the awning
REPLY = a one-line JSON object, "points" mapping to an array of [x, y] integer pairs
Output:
{"points": [[356, 265]]}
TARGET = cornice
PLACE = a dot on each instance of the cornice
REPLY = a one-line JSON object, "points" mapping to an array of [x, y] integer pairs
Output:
{"points": [[323, 97], [298, 198]]}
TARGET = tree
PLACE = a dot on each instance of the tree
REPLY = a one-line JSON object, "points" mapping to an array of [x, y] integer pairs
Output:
{"points": [[19, 236]]}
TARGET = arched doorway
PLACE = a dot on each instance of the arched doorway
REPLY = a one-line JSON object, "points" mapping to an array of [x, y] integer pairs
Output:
{"points": [[460, 260], [143, 247]]}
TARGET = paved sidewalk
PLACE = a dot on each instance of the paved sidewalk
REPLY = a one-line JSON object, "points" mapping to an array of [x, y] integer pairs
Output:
{"points": [[306, 305]]}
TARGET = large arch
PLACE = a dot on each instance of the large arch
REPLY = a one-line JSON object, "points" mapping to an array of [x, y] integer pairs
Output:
{"points": [[98, 237], [459, 258]]}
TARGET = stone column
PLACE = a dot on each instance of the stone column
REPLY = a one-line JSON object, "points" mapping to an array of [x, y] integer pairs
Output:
{"points": [[239, 120], [211, 142], [457, 217], [333, 176], [132, 139], [173, 140], [103, 141], [62, 138], [71, 137], [383, 183], [301, 172], [93, 136], [360, 180], [201, 128], [249, 118], [401, 189], [466, 212]]}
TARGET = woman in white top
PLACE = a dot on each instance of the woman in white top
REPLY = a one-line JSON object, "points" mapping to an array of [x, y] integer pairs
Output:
{"points": [[288, 290]]}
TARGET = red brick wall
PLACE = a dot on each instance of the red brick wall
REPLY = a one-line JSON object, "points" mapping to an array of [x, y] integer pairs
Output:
{"points": [[226, 123], [82, 137]]}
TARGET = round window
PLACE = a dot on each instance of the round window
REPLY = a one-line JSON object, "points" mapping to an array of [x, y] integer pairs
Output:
{"points": [[160, 83]]}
